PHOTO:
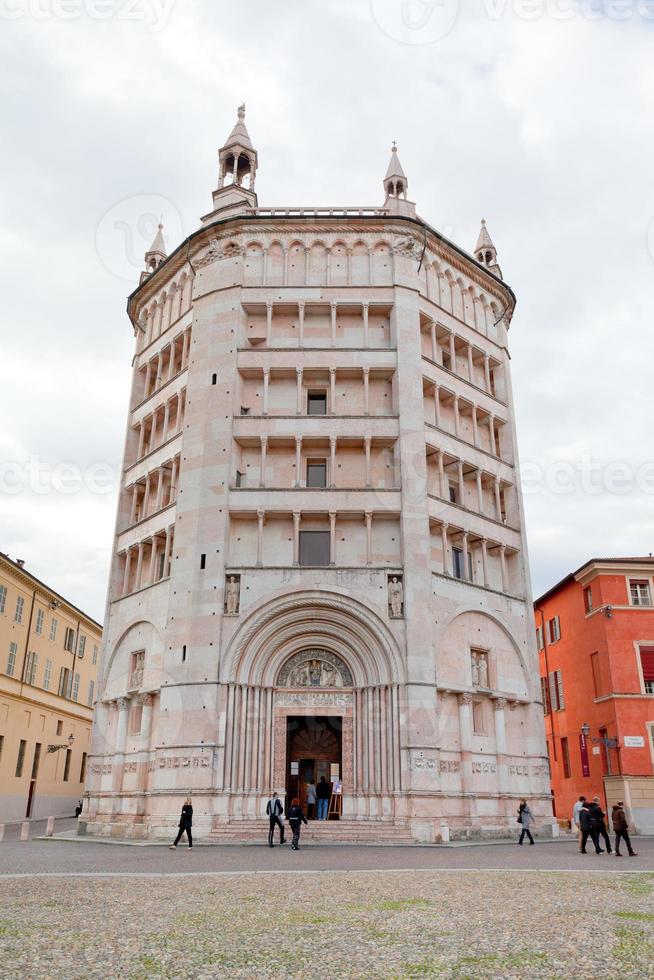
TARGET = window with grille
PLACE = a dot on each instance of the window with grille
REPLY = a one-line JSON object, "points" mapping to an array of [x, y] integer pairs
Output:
{"points": [[647, 664], [639, 592]]}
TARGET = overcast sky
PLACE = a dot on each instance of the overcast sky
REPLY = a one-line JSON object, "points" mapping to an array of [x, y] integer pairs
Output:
{"points": [[537, 116]]}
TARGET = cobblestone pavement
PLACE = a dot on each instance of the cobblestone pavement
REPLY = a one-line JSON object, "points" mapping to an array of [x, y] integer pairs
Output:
{"points": [[395, 924]]}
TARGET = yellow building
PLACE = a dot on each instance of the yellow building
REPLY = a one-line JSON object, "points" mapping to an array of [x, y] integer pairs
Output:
{"points": [[49, 652]]}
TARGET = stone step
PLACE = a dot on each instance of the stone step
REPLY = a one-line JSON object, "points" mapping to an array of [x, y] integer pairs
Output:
{"points": [[328, 831]]}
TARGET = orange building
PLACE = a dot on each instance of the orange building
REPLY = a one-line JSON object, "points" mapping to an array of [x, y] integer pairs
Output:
{"points": [[595, 632]]}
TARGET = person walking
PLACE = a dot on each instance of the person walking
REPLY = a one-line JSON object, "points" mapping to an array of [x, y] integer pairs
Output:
{"points": [[621, 828], [311, 800], [296, 818], [598, 827], [585, 827], [575, 817], [323, 792], [274, 809], [525, 817], [185, 824]]}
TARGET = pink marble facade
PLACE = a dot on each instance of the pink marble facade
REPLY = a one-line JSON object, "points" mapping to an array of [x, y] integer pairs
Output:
{"points": [[320, 457]]}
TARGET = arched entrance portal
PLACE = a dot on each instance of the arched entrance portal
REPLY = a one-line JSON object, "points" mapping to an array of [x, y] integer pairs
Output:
{"points": [[300, 662], [317, 683]]}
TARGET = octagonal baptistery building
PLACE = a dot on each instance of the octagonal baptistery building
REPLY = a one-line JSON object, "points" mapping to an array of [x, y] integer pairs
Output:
{"points": [[319, 567]]}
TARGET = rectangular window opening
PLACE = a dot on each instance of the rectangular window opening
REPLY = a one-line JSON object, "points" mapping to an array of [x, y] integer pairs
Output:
{"points": [[317, 402]]}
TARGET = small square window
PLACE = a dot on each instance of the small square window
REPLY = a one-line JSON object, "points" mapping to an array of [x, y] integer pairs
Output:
{"points": [[317, 402]]}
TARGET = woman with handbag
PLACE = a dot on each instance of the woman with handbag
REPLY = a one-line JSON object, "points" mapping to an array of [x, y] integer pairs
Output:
{"points": [[525, 817]]}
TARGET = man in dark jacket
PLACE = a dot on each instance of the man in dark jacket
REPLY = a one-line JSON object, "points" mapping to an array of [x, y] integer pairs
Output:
{"points": [[296, 818], [585, 828], [323, 792], [621, 828], [597, 826], [274, 809]]}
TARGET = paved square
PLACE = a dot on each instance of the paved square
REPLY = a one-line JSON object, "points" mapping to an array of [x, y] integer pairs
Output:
{"points": [[91, 910]]}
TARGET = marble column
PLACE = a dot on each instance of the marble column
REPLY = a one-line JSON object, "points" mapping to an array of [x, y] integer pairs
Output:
{"points": [[296, 537], [261, 516], [266, 383]]}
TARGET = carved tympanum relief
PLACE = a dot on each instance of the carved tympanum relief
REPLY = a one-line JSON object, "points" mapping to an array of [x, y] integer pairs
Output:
{"points": [[314, 668]]}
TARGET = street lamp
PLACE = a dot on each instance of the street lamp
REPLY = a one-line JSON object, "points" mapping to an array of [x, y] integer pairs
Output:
{"points": [[62, 745], [609, 743]]}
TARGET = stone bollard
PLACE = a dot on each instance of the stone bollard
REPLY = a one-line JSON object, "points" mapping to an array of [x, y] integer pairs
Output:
{"points": [[2, 831], [49, 827], [25, 830], [445, 833]]}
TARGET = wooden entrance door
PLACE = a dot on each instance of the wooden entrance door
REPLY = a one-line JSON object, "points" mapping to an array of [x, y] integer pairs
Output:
{"points": [[314, 746]]}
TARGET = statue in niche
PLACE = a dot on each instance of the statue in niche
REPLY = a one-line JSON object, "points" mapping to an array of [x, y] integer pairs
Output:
{"points": [[395, 597], [479, 670], [232, 592]]}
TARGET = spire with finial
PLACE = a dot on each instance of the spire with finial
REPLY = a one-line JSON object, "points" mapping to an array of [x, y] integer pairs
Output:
{"points": [[238, 162], [485, 251], [395, 182], [238, 158], [156, 254]]}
